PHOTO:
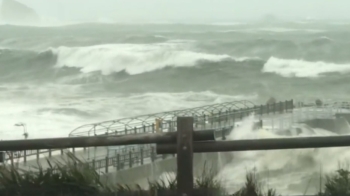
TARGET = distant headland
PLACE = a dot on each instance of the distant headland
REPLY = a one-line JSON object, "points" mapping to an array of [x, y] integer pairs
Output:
{"points": [[14, 12]]}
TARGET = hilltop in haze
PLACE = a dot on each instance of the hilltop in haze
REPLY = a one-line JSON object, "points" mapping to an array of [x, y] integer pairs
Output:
{"points": [[13, 12]]}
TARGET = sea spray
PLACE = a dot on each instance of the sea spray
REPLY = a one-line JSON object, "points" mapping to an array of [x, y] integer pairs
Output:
{"points": [[290, 171]]}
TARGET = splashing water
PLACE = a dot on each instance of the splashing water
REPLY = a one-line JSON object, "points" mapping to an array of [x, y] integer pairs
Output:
{"points": [[295, 171]]}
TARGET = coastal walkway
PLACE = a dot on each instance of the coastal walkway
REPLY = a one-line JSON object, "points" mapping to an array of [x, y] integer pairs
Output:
{"points": [[221, 117]]}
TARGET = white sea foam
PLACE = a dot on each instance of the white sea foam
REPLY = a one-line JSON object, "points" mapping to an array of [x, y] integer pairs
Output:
{"points": [[289, 171], [301, 68], [54, 111], [133, 58]]}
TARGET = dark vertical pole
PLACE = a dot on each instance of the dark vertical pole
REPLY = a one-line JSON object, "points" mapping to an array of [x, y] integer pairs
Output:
{"points": [[141, 155], [153, 154], [50, 153], [12, 164], [107, 159], [144, 128], [223, 134], [184, 156], [130, 159], [118, 162], [37, 154], [281, 107], [73, 149], [61, 151], [25, 156], [93, 164]]}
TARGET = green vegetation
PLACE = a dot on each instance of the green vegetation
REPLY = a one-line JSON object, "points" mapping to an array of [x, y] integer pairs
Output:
{"points": [[74, 178]]}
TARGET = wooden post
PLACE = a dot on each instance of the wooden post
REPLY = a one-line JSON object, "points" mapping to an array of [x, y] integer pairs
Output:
{"points": [[37, 154], [184, 156]]}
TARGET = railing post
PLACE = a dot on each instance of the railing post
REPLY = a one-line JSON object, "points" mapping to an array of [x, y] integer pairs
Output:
{"points": [[106, 168], [135, 130], [61, 151], [93, 164], [12, 163], [37, 154], [25, 156], [152, 154], [227, 112], [118, 162], [126, 131], [50, 153], [141, 155], [185, 156], [144, 128], [281, 107], [223, 134], [130, 159], [153, 128], [73, 150]]}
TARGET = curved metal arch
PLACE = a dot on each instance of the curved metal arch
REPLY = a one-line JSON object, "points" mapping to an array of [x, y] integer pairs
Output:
{"points": [[130, 123]]}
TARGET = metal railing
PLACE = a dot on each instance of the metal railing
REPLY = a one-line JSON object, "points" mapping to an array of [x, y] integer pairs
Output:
{"points": [[120, 158], [143, 124], [221, 119]]}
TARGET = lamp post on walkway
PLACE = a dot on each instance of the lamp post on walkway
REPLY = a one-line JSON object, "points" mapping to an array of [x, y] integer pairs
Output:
{"points": [[25, 133]]}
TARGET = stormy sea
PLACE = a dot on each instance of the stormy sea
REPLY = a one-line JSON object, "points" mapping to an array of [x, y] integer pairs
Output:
{"points": [[55, 79]]}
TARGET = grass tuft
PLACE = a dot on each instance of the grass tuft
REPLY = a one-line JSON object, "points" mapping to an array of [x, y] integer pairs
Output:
{"points": [[73, 177]]}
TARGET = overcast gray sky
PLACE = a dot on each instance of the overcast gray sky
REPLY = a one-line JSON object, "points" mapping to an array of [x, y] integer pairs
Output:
{"points": [[188, 10]]}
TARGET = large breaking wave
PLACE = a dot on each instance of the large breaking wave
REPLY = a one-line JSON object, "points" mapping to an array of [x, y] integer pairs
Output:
{"points": [[111, 62]]}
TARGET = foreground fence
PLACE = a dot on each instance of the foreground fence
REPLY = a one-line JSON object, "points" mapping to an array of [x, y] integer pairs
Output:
{"points": [[184, 143]]}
